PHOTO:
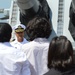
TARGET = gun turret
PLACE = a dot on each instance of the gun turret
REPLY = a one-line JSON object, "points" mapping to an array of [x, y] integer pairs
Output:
{"points": [[31, 8]]}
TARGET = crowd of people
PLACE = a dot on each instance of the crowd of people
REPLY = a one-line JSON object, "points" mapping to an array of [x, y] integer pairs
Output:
{"points": [[38, 55]]}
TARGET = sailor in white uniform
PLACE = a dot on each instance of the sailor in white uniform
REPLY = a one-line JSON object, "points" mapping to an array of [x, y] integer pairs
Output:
{"points": [[12, 60], [20, 40]]}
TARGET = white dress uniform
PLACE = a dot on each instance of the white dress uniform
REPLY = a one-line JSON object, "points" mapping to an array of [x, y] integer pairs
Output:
{"points": [[18, 28], [13, 61], [36, 52], [17, 44]]}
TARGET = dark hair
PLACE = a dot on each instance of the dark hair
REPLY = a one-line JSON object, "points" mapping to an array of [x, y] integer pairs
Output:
{"points": [[5, 32], [60, 53], [38, 27]]}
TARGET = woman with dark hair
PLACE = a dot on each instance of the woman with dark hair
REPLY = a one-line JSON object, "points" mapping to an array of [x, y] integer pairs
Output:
{"points": [[5, 32], [12, 61], [38, 30], [60, 57]]}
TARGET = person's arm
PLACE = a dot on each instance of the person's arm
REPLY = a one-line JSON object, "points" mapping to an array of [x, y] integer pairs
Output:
{"points": [[26, 69], [20, 63]]}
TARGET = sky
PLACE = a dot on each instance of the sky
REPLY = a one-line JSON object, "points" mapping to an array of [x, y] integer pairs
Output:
{"points": [[5, 4]]}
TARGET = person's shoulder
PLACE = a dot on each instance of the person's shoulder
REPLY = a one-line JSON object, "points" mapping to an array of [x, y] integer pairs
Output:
{"points": [[28, 45]]}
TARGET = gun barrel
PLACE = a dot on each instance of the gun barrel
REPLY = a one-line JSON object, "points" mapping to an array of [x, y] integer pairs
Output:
{"points": [[26, 5]]}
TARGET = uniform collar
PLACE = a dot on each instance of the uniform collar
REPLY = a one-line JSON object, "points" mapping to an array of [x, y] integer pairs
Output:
{"points": [[24, 40]]}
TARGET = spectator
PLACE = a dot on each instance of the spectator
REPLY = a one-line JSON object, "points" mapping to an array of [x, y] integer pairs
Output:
{"points": [[20, 40], [12, 61], [38, 30], [60, 57]]}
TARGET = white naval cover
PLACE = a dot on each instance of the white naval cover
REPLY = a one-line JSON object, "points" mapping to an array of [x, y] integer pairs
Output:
{"points": [[12, 61], [36, 52]]}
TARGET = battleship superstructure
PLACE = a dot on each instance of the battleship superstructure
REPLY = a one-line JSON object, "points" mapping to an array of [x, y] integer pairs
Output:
{"points": [[14, 16], [60, 17], [14, 13]]}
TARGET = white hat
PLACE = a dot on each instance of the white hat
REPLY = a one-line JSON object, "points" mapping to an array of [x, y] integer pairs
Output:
{"points": [[19, 28]]}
